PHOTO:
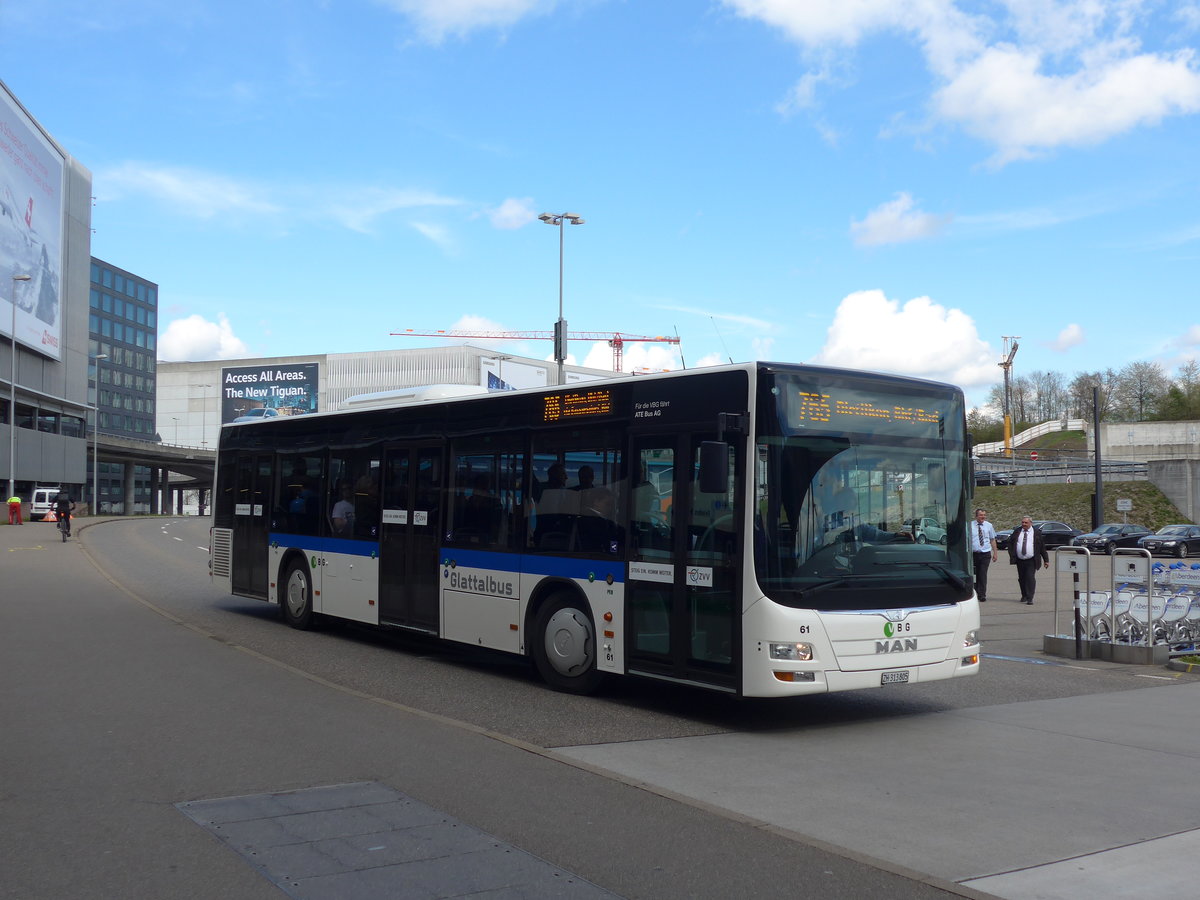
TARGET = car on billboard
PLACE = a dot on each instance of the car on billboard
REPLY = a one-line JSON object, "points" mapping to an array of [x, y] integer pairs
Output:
{"points": [[261, 414], [1173, 540], [1109, 537]]}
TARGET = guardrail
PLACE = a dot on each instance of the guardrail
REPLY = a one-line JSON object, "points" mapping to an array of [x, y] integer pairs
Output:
{"points": [[1030, 434]]}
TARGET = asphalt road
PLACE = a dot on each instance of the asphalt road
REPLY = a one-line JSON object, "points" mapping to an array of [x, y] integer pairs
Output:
{"points": [[131, 685]]}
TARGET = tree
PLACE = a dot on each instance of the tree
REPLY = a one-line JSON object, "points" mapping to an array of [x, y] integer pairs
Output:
{"points": [[1140, 388]]}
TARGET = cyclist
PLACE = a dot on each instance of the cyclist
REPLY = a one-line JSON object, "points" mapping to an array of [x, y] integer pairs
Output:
{"points": [[63, 507]]}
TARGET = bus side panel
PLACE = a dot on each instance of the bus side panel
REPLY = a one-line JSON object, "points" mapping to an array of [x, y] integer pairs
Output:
{"points": [[349, 586]]}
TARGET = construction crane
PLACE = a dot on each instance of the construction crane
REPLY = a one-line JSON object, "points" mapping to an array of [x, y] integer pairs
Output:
{"points": [[614, 339]]}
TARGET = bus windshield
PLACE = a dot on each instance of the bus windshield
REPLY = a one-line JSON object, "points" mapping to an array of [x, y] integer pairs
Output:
{"points": [[861, 494]]}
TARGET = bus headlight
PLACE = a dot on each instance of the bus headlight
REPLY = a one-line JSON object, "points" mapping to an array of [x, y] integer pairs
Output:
{"points": [[971, 639], [792, 652]]}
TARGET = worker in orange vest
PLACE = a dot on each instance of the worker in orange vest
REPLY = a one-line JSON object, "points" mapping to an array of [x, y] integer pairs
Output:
{"points": [[14, 510]]}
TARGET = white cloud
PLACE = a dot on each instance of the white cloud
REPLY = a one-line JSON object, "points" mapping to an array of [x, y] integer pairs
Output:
{"points": [[1071, 336], [515, 212], [438, 234], [196, 338], [710, 359], [437, 19], [919, 338], [1026, 76], [191, 191], [896, 222], [195, 193], [358, 209], [1005, 98]]}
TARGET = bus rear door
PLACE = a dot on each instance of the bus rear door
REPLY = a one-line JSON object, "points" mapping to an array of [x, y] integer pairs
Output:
{"points": [[251, 524], [410, 537]]}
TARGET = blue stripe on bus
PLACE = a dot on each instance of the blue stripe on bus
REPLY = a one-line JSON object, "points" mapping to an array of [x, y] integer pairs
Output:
{"points": [[517, 563], [308, 544], [528, 564]]}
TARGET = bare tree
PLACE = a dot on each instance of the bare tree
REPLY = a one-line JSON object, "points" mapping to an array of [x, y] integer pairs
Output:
{"points": [[1139, 389]]}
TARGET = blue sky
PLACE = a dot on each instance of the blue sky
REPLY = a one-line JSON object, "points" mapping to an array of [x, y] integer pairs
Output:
{"points": [[885, 184]]}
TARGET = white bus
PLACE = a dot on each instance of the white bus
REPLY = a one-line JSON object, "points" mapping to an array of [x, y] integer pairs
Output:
{"points": [[738, 528]]}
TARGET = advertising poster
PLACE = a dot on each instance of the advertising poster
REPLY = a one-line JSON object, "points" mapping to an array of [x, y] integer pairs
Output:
{"points": [[31, 230], [253, 393]]}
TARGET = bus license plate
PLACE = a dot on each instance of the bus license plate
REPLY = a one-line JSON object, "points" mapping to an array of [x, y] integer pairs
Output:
{"points": [[895, 677]]}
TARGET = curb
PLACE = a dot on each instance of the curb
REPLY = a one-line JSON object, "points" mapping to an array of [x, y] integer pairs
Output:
{"points": [[1180, 666]]}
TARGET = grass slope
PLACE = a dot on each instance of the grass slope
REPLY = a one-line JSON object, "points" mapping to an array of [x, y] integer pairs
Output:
{"points": [[1072, 503]]}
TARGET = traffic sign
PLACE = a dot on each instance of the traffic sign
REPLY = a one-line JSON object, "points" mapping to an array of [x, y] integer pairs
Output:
{"points": [[1124, 504], [1033, 454]]}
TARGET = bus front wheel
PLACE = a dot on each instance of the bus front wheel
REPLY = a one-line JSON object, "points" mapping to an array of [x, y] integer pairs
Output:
{"points": [[564, 646], [297, 596]]}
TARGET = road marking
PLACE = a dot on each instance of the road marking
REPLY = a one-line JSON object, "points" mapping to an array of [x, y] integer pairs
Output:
{"points": [[1024, 659], [15, 549]]}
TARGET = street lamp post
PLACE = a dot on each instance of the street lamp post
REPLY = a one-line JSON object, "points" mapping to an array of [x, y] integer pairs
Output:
{"points": [[12, 394], [175, 419], [560, 327], [203, 415], [96, 439]]}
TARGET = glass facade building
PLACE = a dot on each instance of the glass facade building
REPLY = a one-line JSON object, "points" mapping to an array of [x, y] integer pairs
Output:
{"points": [[122, 372]]}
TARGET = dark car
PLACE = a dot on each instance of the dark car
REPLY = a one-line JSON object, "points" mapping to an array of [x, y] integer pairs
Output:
{"points": [[1173, 540], [984, 478], [1002, 536], [1054, 534], [1108, 538]]}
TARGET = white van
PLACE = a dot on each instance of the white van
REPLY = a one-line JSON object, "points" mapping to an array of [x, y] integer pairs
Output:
{"points": [[43, 502]]}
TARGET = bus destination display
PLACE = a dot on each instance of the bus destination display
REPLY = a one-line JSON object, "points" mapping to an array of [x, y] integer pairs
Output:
{"points": [[814, 406], [577, 404]]}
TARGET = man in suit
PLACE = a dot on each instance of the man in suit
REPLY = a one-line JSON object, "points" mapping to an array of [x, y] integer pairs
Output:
{"points": [[1027, 551]]}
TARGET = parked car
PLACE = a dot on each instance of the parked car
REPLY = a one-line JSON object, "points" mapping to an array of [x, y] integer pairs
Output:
{"points": [[258, 415], [984, 478], [1054, 534], [1173, 540], [1108, 538], [926, 530]]}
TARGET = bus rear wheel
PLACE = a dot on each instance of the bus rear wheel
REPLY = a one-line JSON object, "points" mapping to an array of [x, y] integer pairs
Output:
{"points": [[564, 646], [296, 601]]}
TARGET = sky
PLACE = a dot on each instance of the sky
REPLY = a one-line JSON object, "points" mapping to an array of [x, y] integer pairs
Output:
{"points": [[893, 185]]}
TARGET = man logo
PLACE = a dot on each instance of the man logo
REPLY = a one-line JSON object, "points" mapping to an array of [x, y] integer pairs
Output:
{"points": [[896, 646]]}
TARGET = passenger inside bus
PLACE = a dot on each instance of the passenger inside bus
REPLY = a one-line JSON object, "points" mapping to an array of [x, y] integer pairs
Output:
{"points": [[342, 514]]}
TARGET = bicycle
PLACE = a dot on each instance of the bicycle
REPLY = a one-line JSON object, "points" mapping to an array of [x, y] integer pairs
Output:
{"points": [[64, 526]]}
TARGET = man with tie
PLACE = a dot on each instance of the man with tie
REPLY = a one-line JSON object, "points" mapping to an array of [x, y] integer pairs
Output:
{"points": [[1025, 551], [982, 538]]}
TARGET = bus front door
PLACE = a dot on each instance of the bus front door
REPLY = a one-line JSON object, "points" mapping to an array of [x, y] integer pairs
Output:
{"points": [[410, 537], [251, 524], [683, 590]]}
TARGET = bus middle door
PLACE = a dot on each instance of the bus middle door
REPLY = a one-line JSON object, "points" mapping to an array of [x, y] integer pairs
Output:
{"points": [[411, 537]]}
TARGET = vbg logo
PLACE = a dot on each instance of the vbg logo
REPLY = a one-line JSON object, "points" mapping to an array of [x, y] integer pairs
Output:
{"points": [[889, 630]]}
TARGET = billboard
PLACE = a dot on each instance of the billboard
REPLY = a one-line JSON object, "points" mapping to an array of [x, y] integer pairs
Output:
{"points": [[32, 171], [249, 393]]}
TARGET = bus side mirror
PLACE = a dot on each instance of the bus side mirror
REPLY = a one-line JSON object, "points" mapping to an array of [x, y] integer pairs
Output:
{"points": [[714, 467]]}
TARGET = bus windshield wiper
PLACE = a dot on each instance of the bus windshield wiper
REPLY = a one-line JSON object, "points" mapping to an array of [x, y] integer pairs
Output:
{"points": [[944, 570], [818, 587]]}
